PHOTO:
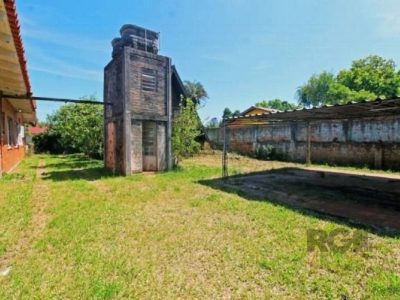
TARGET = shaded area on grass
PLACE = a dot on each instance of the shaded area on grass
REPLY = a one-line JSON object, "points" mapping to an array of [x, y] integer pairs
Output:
{"points": [[164, 235], [371, 201], [89, 174], [76, 167]]}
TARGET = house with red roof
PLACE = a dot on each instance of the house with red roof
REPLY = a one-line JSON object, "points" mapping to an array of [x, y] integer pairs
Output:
{"points": [[251, 111], [14, 80], [38, 129]]}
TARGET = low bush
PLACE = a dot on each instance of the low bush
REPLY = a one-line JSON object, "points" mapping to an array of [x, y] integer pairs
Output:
{"points": [[49, 143], [269, 152]]}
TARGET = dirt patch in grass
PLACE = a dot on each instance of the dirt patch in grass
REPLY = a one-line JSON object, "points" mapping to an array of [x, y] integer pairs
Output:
{"points": [[356, 198], [239, 164], [38, 203]]}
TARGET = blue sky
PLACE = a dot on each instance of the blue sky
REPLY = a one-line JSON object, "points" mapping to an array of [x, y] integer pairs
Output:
{"points": [[243, 51]]}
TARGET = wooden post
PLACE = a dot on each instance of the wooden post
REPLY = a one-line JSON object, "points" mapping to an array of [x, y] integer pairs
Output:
{"points": [[308, 155], [378, 156], [224, 153], [1, 133], [170, 155]]}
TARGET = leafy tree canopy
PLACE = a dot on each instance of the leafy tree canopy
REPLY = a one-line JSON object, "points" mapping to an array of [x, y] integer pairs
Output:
{"points": [[79, 127], [277, 104], [196, 91], [185, 130], [314, 92], [367, 79], [236, 113], [227, 113], [341, 94], [373, 74]]}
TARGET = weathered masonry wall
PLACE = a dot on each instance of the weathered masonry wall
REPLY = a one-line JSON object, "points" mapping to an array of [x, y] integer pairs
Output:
{"points": [[114, 116], [148, 106], [133, 105], [144, 90], [151, 103], [11, 151], [373, 142]]}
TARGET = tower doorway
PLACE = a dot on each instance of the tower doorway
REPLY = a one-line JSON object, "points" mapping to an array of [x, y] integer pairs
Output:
{"points": [[149, 146]]}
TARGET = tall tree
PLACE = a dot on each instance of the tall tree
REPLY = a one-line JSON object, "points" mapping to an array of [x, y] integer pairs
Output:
{"points": [[227, 113], [185, 130], [236, 113], [79, 127], [196, 91], [367, 79], [340, 94], [314, 92], [373, 74], [277, 104]]}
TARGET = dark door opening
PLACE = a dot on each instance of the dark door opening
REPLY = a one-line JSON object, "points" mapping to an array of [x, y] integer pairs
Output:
{"points": [[149, 145]]}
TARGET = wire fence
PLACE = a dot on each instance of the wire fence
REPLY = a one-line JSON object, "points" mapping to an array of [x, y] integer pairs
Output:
{"points": [[241, 157]]}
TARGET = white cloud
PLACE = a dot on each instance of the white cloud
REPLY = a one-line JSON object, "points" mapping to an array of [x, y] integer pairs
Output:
{"points": [[66, 40], [69, 71], [31, 29], [44, 62], [41, 59], [390, 23], [388, 15]]}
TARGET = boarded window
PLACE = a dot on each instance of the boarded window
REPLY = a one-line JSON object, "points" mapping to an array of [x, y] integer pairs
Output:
{"points": [[149, 80]]}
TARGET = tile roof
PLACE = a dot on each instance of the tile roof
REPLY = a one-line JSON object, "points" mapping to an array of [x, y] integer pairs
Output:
{"points": [[37, 130]]}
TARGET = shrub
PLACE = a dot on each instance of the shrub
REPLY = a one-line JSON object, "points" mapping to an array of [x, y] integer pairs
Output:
{"points": [[185, 130], [74, 128], [269, 152], [48, 143]]}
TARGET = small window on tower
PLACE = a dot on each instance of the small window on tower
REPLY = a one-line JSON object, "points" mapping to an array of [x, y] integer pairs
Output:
{"points": [[149, 80]]}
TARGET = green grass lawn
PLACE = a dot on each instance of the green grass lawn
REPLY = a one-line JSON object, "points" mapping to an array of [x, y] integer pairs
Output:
{"points": [[15, 214], [167, 235]]}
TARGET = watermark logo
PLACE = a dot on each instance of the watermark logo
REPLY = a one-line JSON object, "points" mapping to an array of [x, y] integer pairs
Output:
{"points": [[338, 240]]}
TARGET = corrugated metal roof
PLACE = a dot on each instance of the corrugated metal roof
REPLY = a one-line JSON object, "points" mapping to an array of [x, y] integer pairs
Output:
{"points": [[350, 110]]}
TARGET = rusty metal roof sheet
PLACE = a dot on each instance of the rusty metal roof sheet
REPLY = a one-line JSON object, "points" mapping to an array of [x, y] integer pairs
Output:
{"points": [[351, 110]]}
